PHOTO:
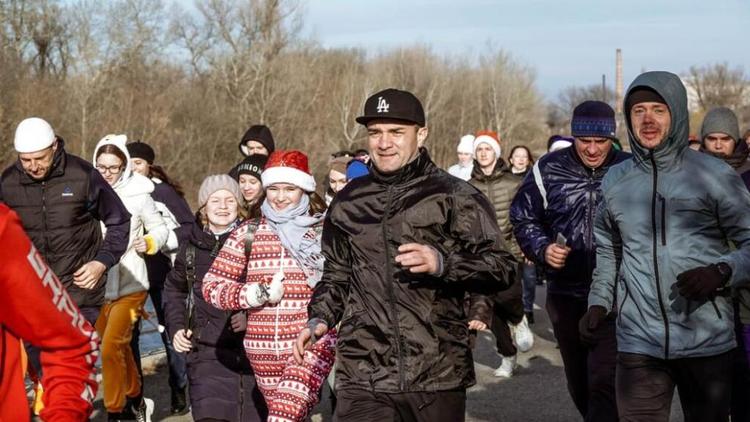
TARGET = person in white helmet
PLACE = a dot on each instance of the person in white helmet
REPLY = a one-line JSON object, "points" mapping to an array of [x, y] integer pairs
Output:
{"points": [[63, 201], [465, 151]]}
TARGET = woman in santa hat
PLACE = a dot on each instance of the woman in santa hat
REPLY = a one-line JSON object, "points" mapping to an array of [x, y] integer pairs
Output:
{"points": [[273, 278]]}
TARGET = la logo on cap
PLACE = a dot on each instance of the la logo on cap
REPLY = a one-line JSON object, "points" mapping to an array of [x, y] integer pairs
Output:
{"points": [[382, 105]]}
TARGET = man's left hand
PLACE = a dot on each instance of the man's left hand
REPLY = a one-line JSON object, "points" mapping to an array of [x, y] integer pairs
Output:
{"points": [[478, 325], [89, 274], [700, 283], [419, 258], [238, 322]]}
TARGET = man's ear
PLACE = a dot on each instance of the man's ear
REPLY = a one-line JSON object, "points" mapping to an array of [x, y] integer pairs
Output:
{"points": [[422, 133], [54, 144]]}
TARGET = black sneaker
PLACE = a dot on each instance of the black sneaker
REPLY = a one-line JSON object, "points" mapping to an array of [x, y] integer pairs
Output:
{"points": [[125, 415], [144, 410], [179, 403]]}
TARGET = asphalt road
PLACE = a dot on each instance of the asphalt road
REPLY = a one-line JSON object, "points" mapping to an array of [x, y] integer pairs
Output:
{"points": [[537, 391]]}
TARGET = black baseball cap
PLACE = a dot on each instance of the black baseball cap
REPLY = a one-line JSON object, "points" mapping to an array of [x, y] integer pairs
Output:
{"points": [[393, 104]]}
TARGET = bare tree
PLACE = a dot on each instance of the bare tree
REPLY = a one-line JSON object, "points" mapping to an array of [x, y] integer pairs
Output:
{"points": [[719, 85]]}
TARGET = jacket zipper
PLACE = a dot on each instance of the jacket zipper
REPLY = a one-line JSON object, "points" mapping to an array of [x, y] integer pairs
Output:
{"points": [[655, 242], [590, 217], [392, 291], [663, 220], [44, 216], [716, 308]]}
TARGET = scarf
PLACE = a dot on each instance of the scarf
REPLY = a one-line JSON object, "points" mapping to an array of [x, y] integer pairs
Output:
{"points": [[231, 227], [291, 225]]}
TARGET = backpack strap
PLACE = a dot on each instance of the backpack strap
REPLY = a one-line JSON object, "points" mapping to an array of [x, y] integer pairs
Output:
{"points": [[190, 278]]}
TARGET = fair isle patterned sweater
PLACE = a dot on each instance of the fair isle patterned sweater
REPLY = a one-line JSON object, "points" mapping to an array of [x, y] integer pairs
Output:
{"points": [[290, 390]]}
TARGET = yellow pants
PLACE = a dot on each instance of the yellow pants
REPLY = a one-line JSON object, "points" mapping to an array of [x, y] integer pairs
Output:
{"points": [[115, 327]]}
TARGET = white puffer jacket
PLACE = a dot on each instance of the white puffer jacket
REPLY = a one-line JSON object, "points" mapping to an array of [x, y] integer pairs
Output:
{"points": [[129, 275]]}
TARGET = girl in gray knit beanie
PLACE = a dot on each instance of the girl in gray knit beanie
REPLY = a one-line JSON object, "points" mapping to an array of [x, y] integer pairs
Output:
{"points": [[208, 190]]}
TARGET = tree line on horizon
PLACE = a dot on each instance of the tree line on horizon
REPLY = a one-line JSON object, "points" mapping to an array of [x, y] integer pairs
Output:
{"points": [[191, 82]]}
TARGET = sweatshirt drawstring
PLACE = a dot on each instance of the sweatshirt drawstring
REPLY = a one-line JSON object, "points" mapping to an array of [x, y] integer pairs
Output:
{"points": [[278, 305]]}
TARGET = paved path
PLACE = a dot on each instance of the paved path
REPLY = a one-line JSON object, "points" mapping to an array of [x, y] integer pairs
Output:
{"points": [[537, 391]]}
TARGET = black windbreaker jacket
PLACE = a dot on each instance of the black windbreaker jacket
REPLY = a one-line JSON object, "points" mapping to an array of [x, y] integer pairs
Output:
{"points": [[400, 331], [572, 193]]}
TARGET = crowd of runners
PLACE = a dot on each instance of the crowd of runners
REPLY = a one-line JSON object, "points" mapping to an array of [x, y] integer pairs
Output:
{"points": [[378, 281]]}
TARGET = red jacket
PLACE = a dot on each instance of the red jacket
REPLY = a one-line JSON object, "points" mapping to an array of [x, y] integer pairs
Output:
{"points": [[36, 308]]}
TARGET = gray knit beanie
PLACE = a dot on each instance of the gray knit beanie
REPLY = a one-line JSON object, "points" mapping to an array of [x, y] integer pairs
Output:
{"points": [[722, 120], [215, 183]]}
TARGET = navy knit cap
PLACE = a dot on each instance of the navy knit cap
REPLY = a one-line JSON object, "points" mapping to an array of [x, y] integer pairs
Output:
{"points": [[142, 150], [593, 118]]}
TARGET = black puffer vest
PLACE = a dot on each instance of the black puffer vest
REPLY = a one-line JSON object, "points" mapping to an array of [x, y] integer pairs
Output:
{"points": [[55, 214]]}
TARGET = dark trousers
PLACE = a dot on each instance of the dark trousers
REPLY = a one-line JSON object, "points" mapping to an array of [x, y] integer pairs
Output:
{"points": [[740, 408], [528, 277], [365, 406], [590, 372], [175, 361], [507, 308], [645, 386]]}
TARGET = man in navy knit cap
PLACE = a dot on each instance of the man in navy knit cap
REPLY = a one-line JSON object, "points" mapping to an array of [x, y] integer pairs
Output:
{"points": [[553, 221]]}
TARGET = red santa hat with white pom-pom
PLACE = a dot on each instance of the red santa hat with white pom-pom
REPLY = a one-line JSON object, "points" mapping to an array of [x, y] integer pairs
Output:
{"points": [[288, 167]]}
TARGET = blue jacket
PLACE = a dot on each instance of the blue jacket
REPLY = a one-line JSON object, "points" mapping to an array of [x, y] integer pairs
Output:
{"points": [[561, 195], [666, 211]]}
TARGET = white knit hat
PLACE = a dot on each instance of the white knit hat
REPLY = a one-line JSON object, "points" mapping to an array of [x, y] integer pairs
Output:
{"points": [[489, 140], [466, 145], [33, 134]]}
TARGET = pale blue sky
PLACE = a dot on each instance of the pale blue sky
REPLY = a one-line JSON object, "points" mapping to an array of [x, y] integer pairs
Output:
{"points": [[568, 42]]}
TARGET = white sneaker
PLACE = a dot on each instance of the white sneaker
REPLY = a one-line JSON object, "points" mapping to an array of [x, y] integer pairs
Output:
{"points": [[524, 336], [505, 370], [144, 411]]}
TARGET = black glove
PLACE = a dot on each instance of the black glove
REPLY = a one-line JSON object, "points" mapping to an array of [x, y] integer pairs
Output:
{"points": [[590, 322], [702, 282], [239, 322]]}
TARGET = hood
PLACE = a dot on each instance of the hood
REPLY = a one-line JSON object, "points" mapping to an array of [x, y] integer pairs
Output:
{"points": [[670, 87], [119, 141], [130, 183]]}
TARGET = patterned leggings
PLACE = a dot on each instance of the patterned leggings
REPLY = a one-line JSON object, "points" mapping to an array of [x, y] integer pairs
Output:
{"points": [[291, 390]]}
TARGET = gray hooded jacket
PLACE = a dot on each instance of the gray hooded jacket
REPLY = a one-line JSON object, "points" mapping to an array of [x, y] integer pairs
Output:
{"points": [[666, 211]]}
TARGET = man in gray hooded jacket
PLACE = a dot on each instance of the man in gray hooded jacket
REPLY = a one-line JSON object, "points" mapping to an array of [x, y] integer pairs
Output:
{"points": [[665, 224]]}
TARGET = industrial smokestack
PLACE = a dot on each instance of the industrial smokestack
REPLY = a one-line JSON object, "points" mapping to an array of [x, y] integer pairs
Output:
{"points": [[618, 81]]}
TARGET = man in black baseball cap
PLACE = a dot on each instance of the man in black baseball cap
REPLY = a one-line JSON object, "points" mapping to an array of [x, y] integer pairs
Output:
{"points": [[396, 128], [393, 104], [403, 245]]}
